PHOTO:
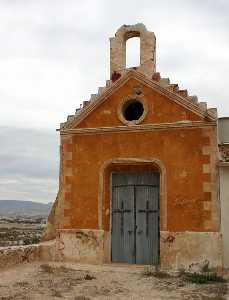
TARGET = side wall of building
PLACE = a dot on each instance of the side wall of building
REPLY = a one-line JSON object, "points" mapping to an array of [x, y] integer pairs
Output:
{"points": [[224, 199]]}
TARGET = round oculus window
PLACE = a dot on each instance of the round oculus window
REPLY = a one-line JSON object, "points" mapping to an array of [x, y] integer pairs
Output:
{"points": [[132, 110]]}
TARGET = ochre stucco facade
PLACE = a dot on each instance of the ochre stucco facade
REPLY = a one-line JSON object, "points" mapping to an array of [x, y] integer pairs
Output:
{"points": [[177, 137]]}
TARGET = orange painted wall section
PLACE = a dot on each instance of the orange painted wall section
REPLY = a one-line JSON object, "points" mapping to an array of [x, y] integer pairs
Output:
{"points": [[188, 157], [180, 151], [161, 109]]}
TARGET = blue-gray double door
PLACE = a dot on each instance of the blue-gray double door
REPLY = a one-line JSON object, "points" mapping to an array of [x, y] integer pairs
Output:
{"points": [[135, 217]]}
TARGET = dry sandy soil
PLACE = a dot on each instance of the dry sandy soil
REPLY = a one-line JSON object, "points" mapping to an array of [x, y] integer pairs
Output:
{"points": [[85, 282]]}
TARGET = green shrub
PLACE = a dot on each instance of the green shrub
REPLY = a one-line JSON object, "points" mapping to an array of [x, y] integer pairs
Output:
{"points": [[203, 278]]}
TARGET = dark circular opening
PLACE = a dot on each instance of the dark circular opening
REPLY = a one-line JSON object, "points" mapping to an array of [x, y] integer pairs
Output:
{"points": [[133, 110]]}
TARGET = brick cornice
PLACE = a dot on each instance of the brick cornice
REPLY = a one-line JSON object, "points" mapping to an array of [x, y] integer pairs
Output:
{"points": [[138, 128]]}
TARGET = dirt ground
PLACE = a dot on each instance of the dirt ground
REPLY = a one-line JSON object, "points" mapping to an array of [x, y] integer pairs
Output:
{"points": [[85, 282]]}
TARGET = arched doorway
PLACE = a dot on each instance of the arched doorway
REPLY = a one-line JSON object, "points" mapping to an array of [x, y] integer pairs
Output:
{"points": [[134, 206]]}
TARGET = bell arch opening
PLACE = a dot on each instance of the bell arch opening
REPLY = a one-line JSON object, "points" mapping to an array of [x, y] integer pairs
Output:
{"points": [[133, 52]]}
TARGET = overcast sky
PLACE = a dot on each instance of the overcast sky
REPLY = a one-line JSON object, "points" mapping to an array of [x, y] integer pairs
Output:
{"points": [[55, 53]]}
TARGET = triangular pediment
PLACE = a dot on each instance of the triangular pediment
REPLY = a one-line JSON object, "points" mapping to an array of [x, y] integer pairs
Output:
{"points": [[164, 104]]}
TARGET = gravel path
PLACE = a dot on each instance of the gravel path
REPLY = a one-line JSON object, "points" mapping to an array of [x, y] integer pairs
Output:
{"points": [[84, 282]]}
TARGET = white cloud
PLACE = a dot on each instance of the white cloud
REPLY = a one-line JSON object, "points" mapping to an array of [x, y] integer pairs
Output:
{"points": [[55, 53]]}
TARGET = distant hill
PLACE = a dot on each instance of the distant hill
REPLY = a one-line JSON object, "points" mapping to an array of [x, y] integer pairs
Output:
{"points": [[23, 208]]}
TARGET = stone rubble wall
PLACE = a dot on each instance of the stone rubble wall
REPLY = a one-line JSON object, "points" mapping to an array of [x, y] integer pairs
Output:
{"points": [[15, 255]]}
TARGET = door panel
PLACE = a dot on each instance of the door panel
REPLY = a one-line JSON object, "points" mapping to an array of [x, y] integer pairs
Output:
{"points": [[147, 225], [123, 240], [135, 217]]}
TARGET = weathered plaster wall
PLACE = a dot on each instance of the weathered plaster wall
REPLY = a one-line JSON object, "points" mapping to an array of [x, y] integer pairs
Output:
{"points": [[178, 250], [189, 161], [224, 199], [190, 250], [223, 129], [83, 245], [55, 218]]}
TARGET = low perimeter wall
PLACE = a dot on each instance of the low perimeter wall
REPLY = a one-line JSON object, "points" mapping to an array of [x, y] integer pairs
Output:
{"points": [[12, 256]]}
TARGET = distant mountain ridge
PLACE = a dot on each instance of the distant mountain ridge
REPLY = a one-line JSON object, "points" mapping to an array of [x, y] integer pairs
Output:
{"points": [[24, 208]]}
